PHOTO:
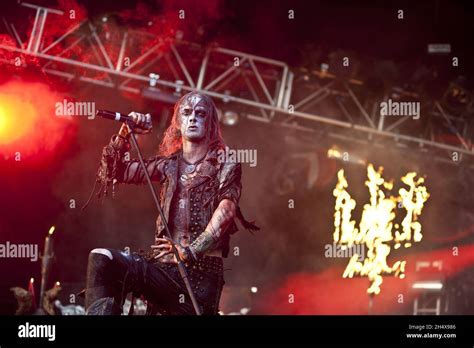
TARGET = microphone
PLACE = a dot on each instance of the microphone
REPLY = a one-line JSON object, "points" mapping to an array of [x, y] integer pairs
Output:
{"points": [[115, 116]]}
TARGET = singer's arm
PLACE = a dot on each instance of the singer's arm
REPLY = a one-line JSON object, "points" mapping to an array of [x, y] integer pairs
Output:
{"points": [[114, 168], [228, 197]]}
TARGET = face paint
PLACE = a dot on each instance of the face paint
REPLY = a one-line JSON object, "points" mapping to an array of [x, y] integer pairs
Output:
{"points": [[194, 114]]}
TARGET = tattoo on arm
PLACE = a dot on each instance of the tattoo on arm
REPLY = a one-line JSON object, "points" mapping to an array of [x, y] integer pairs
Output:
{"points": [[219, 222]]}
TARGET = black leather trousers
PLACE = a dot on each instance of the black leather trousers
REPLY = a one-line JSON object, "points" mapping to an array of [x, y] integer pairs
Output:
{"points": [[112, 274]]}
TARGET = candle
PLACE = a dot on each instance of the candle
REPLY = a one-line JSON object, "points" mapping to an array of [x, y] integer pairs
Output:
{"points": [[47, 255], [31, 290], [48, 242]]}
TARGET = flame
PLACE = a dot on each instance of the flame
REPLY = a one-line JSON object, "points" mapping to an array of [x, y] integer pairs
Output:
{"points": [[376, 224], [51, 230], [32, 280]]}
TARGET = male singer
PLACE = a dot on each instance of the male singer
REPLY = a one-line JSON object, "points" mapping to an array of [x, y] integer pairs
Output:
{"points": [[199, 196]]}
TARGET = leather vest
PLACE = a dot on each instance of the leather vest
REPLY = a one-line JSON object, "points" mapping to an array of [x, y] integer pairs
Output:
{"points": [[214, 181]]}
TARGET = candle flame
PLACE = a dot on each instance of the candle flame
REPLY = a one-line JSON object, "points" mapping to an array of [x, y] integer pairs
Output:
{"points": [[57, 284], [32, 280], [51, 230]]}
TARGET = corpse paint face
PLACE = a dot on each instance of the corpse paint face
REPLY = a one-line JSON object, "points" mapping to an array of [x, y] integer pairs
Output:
{"points": [[194, 113]]}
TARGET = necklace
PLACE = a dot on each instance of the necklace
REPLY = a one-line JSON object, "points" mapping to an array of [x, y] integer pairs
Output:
{"points": [[190, 168]]}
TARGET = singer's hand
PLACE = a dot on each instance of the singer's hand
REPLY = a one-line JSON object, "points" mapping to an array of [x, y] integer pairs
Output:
{"points": [[142, 122], [163, 247]]}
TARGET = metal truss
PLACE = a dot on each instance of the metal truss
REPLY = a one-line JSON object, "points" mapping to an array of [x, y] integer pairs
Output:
{"points": [[258, 88]]}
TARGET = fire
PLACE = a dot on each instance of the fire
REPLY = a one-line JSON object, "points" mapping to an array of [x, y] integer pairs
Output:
{"points": [[376, 226], [28, 124], [51, 230]]}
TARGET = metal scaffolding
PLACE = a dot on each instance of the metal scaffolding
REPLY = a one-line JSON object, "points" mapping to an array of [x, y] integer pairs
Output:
{"points": [[259, 88]]}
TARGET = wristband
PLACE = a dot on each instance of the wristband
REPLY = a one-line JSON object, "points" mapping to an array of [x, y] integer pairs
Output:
{"points": [[190, 255]]}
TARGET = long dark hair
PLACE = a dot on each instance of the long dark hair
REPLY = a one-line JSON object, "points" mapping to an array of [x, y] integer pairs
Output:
{"points": [[172, 138]]}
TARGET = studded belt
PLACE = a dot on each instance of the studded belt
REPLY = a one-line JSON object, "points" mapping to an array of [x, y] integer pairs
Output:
{"points": [[210, 264]]}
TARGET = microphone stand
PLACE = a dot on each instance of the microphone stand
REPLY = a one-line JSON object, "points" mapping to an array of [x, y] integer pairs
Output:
{"points": [[181, 268]]}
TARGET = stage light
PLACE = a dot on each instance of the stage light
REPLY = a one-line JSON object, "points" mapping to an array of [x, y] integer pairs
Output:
{"points": [[28, 122], [324, 68], [244, 311], [179, 84], [11, 107], [153, 78], [230, 118], [439, 48], [336, 153], [428, 285]]}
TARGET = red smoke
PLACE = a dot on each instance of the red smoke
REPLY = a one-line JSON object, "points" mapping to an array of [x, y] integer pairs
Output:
{"points": [[58, 25], [328, 293], [28, 123], [160, 22]]}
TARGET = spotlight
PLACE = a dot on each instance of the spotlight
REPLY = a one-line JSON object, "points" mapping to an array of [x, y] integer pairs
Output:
{"points": [[179, 85], [324, 69], [439, 48], [339, 154], [244, 311], [230, 118], [153, 78]]}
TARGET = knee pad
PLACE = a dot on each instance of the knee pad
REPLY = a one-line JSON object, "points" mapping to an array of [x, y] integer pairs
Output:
{"points": [[102, 251]]}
